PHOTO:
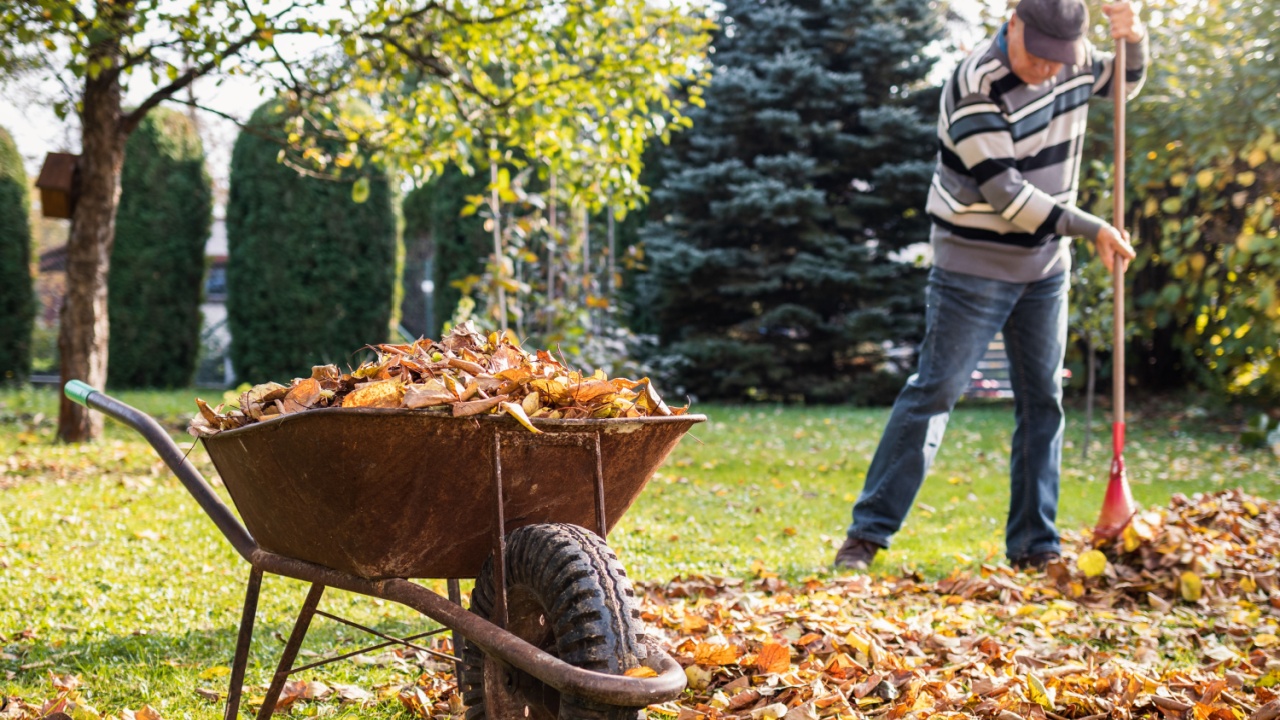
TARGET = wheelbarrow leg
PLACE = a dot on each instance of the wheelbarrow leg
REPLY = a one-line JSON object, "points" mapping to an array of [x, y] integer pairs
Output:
{"points": [[242, 644], [291, 651], [455, 597]]}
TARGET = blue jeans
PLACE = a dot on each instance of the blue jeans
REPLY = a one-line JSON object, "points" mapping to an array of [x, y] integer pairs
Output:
{"points": [[964, 313]]}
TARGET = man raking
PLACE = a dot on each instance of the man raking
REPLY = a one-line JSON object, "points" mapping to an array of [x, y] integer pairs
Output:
{"points": [[1011, 133]]}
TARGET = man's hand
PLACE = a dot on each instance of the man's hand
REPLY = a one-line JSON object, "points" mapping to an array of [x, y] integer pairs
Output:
{"points": [[1124, 21], [1112, 243]]}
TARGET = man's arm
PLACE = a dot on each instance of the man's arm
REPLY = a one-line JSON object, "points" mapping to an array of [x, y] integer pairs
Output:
{"points": [[1124, 24], [978, 133]]}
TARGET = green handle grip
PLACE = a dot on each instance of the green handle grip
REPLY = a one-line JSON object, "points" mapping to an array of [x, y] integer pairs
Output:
{"points": [[79, 391]]}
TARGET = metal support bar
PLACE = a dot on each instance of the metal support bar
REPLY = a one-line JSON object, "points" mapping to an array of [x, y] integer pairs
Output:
{"points": [[242, 644], [602, 526], [597, 686], [379, 646], [455, 597], [291, 651], [499, 539], [392, 640]]}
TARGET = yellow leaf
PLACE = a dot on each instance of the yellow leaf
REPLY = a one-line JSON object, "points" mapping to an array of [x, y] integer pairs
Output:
{"points": [[1092, 563], [1246, 178], [1257, 157], [1204, 178], [1131, 540], [641, 672], [215, 672], [1190, 586], [857, 642], [1178, 180], [1265, 640], [360, 190], [1038, 693], [517, 412], [1248, 584]]}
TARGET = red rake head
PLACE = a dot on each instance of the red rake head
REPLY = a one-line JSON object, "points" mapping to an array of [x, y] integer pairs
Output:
{"points": [[1118, 507]]}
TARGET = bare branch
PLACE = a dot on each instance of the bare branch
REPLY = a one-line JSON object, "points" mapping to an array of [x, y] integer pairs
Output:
{"points": [[212, 111], [458, 19], [131, 120]]}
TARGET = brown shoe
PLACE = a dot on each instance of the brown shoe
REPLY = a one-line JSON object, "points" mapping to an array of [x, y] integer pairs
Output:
{"points": [[856, 554], [1037, 562]]}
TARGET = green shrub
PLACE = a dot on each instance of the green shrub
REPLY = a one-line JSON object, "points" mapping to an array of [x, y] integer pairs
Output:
{"points": [[17, 294], [310, 272], [157, 264]]}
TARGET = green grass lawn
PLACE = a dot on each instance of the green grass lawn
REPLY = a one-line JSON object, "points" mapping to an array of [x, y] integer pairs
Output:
{"points": [[109, 570]]}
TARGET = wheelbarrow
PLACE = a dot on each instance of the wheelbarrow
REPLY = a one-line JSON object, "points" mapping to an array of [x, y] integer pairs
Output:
{"points": [[365, 500]]}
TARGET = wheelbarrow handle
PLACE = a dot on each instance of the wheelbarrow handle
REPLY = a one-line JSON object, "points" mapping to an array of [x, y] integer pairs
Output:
{"points": [[173, 456]]}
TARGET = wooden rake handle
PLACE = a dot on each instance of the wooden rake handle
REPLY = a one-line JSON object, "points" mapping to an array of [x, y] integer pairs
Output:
{"points": [[1118, 212]]}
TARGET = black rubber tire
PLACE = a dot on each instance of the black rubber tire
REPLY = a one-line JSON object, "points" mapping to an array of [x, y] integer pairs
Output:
{"points": [[567, 594]]}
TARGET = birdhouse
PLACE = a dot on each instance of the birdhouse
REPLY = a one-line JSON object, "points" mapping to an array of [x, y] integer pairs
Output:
{"points": [[59, 184]]}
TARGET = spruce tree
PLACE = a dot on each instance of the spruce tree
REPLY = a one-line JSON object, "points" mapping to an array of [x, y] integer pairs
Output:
{"points": [[17, 292], [157, 264], [772, 270], [310, 272]]}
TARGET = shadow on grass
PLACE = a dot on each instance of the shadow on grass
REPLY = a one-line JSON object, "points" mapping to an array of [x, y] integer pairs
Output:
{"points": [[109, 662]]}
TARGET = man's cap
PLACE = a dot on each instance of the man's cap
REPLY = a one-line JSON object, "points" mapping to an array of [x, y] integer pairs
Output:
{"points": [[1055, 29]]}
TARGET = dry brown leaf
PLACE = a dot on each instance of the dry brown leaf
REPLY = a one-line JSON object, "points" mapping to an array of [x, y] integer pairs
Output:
{"points": [[475, 407]]}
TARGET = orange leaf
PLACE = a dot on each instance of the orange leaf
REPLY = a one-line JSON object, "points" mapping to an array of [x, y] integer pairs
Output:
{"points": [[773, 658], [641, 672], [715, 654]]}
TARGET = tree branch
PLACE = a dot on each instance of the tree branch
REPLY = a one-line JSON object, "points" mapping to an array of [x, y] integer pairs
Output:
{"points": [[130, 121]]}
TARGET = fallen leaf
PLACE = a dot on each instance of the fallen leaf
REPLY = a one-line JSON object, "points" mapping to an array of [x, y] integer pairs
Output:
{"points": [[1092, 563], [773, 658], [715, 654], [1190, 586], [1038, 693]]}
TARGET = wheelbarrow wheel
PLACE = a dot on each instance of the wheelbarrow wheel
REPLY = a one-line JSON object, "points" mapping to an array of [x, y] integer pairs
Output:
{"points": [[568, 595]]}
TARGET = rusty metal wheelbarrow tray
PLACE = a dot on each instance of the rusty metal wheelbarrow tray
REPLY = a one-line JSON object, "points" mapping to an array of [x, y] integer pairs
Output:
{"points": [[328, 491], [383, 493]]}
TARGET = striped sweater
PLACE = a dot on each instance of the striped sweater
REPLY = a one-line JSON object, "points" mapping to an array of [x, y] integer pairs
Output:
{"points": [[1004, 189]]}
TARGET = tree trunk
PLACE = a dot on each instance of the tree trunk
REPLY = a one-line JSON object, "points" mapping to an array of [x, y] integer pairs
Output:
{"points": [[82, 337]]}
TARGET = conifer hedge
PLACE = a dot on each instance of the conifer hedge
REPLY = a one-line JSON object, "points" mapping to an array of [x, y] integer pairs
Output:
{"points": [[457, 246], [310, 272], [157, 263], [17, 294]]}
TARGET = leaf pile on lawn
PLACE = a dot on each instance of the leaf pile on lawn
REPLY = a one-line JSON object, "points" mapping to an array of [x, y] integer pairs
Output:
{"points": [[1211, 549], [1123, 640], [464, 374]]}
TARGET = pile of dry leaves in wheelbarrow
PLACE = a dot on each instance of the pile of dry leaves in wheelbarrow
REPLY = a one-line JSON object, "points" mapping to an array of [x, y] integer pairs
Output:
{"points": [[1177, 620], [466, 373]]}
